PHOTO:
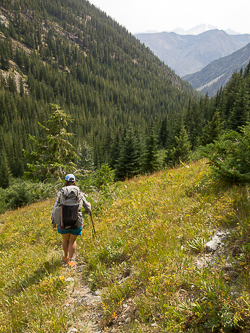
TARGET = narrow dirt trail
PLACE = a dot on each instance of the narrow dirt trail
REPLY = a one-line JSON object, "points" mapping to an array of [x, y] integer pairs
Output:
{"points": [[83, 305]]}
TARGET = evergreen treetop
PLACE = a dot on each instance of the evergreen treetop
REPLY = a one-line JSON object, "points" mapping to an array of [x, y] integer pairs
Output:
{"points": [[53, 154]]}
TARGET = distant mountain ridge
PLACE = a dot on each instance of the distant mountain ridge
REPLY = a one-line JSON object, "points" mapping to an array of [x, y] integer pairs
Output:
{"points": [[188, 54], [217, 73], [199, 29]]}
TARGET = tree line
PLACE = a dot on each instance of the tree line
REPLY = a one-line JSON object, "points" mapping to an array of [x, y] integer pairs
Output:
{"points": [[128, 107]]}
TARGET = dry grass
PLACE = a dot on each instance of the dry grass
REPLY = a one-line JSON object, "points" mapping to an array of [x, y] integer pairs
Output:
{"points": [[141, 259], [31, 284], [143, 254]]}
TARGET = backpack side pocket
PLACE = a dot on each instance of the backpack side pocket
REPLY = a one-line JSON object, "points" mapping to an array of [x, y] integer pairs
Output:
{"points": [[57, 215]]}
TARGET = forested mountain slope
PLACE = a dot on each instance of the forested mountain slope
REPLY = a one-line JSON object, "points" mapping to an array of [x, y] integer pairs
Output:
{"points": [[70, 53], [217, 73]]}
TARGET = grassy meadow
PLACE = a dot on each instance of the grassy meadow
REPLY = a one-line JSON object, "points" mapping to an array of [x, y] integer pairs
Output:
{"points": [[144, 258]]}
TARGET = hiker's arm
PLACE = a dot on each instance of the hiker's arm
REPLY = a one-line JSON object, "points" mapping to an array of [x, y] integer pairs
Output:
{"points": [[56, 204], [86, 204]]}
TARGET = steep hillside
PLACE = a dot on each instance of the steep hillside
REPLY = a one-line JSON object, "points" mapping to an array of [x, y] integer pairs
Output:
{"points": [[217, 73], [70, 53], [148, 264], [189, 54]]}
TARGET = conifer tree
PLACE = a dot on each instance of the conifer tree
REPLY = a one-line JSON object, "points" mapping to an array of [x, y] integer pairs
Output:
{"points": [[174, 130], [239, 114], [21, 87], [212, 130], [4, 58], [220, 105], [12, 84], [128, 163], [5, 173], [163, 133], [107, 144], [151, 160], [182, 149], [53, 154], [193, 123], [116, 148]]}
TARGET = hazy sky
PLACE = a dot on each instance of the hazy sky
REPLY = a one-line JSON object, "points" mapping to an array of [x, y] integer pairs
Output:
{"points": [[167, 15]]}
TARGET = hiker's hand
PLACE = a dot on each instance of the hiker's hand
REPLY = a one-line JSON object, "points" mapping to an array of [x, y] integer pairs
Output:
{"points": [[54, 226]]}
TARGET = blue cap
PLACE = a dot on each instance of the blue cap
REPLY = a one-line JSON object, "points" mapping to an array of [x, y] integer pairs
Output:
{"points": [[70, 178]]}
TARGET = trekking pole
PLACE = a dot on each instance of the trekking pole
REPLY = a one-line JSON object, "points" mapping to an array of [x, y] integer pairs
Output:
{"points": [[92, 223]]}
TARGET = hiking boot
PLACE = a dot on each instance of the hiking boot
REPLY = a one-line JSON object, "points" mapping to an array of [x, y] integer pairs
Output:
{"points": [[71, 263], [65, 258]]}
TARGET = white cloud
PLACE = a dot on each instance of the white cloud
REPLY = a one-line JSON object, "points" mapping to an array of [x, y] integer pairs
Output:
{"points": [[167, 15]]}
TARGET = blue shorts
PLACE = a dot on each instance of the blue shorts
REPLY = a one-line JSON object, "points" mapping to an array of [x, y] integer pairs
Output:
{"points": [[76, 232]]}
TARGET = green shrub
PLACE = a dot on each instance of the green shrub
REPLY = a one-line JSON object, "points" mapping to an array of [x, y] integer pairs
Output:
{"points": [[229, 156], [104, 176], [23, 192], [99, 184], [101, 178], [19, 195]]}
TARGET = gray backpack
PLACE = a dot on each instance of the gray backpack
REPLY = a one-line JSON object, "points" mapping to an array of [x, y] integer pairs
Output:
{"points": [[67, 215]]}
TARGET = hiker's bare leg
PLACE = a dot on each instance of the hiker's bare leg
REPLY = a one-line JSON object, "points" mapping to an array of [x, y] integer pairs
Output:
{"points": [[72, 246], [65, 244]]}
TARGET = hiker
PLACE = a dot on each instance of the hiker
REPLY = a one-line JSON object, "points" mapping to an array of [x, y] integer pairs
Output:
{"points": [[67, 228]]}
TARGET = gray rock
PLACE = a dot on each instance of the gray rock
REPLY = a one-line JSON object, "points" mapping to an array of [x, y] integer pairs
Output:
{"points": [[223, 235], [213, 244]]}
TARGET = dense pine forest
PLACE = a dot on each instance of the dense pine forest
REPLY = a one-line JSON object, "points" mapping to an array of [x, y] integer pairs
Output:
{"points": [[72, 54], [127, 105]]}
